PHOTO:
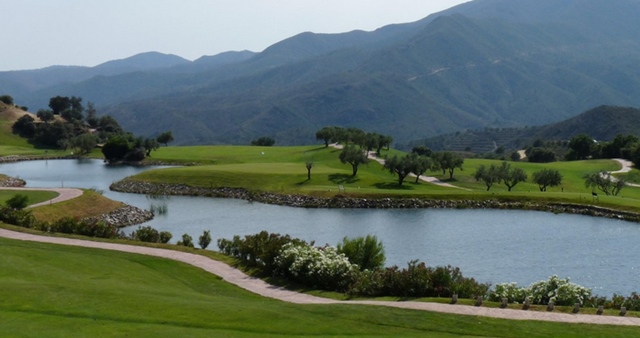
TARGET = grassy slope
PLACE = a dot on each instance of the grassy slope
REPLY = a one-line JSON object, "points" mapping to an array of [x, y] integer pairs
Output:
{"points": [[282, 169], [69, 291], [11, 144], [87, 205]]}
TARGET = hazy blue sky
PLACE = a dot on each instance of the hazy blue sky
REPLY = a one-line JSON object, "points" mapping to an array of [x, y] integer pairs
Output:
{"points": [[40, 33]]}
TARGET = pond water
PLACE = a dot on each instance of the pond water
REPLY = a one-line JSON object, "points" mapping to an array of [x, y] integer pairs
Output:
{"points": [[493, 246]]}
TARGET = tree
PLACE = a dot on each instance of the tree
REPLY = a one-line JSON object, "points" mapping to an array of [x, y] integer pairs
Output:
{"points": [[421, 150], [449, 161], [541, 155], [354, 156], [604, 182], [614, 149], [511, 177], [165, 138], [384, 142], [309, 165], [149, 145], [515, 156], [116, 148], [401, 166], [547, 178], [326, 134], [24, 126], [356, 136], [581, 146], [18, 202], [59, 104], [489, 175], [204, 239], [92, 118], [85, 143], [45, 116], [108, 124], [264, 142], [366, 252], [6, 99], [421, 165]]}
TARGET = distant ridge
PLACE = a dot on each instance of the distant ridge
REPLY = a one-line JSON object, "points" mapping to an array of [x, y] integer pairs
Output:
{"points": [[482, 64], [602, 123]]}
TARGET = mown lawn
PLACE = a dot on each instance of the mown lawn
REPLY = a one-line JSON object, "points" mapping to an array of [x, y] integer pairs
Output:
{"points": [[89, 204], [57, 291], [32, 195], [282, 170]]}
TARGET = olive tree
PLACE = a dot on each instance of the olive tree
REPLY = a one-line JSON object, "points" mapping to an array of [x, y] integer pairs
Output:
{"points": [[547, 178], [354, 156]]}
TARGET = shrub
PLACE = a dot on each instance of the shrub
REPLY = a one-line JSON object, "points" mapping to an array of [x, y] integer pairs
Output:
{"points": [[146, 234], [322, 268], [258, 250], [165, 237], [560, 291], [417, 280], [204, 239], [366, 252], [186, 241], [18, 202]]}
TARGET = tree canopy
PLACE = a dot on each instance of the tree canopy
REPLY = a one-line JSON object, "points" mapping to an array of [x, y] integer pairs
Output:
{"points": [[354, 156], [547, 178]]}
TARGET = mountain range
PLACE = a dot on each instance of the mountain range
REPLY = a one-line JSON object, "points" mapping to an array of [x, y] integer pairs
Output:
{"points": [[485, 63]]}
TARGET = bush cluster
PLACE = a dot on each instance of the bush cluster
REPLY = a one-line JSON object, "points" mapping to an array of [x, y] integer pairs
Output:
{"points": [[258, 250], [329, 269], [556, 290], [321, 268], [151, 235], [417, 280]]}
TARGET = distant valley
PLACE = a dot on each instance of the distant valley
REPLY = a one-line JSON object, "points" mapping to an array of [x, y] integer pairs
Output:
{"points": [[483, 64]]}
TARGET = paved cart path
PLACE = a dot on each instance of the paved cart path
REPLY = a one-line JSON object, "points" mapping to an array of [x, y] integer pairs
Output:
{"points": [[258, 286], [64, 194]]}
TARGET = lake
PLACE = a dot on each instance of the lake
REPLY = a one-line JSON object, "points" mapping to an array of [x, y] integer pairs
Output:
{"points": [[493, 246]]}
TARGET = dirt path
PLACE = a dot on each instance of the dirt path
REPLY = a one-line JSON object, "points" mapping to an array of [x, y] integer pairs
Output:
{"points": [[260, 287], [65, 194]]}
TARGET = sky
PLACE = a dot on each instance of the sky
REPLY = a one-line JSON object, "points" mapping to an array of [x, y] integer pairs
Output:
{"points": [[41, 33]]}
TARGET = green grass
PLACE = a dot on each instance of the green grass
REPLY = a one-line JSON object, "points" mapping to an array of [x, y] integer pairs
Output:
{"points": [[282, 170], [33, 195], [60, 291], [89, 204]]}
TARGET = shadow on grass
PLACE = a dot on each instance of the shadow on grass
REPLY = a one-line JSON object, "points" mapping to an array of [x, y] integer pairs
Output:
{"points": [[343, 178], [393, 186]]}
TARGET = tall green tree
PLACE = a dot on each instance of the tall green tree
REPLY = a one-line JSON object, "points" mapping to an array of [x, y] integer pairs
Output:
{"points": [[547, 178], [354, 156], [421, 165], [604, 182], [84, 143], [511, 177], [326, 134], [581, 146], [489, 175], [58, 104], [45, 116], [401, 166], [165, 138], [449, 161]]}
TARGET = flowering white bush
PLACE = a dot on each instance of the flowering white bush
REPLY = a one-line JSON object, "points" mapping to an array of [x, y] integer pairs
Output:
{"points": [[318, 267], [560, 291]]}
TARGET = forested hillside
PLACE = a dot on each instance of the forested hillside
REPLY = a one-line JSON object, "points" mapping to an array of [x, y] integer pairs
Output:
{"points": [[483, 64]]}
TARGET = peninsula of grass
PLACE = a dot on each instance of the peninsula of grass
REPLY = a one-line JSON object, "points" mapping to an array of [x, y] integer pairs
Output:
{"points": [[282, 170], [89, 204], [62, 291]]}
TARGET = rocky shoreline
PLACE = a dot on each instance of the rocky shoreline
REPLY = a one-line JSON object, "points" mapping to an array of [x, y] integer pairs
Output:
{"points": [[339, 201], [124, 216], [12, 182]]}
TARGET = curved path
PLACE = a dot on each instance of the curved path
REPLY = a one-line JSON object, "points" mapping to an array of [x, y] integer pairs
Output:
{"points": [[429, 179], [258, 286], [64, 194], [627, 166]]}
